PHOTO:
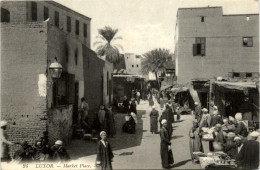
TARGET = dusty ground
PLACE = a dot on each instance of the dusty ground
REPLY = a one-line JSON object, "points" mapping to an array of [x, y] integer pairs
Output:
{"points": [[140, 150]]}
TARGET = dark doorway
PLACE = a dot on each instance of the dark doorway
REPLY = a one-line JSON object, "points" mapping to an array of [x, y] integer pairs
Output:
{"points": [[204, 99], [5, 15], [75, 105]]}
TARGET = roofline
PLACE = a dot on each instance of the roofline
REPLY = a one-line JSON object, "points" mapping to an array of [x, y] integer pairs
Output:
{"points": [[238, 15], [200, 7], [66, 8]]}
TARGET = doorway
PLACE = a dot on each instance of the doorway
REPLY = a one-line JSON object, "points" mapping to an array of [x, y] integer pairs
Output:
{"points": [[76, 103]]}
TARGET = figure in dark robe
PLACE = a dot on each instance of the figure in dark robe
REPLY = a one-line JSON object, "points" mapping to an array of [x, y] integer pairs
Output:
{"points": [[165, 144], [248, 157], [129, 125], [59, 153], [110, 122], [102, 118], [154, 120], [25, 153], [133, 107], [104, 153], [167, 115], [241, 128], [195, 140], [126, 105], [230, 147]]}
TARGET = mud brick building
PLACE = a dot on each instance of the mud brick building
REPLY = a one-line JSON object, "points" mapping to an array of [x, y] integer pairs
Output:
{"points": [[209, 44], [32, 35]]}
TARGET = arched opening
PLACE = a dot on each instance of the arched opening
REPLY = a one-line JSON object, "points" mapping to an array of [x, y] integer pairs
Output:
{"points": [[5, 15]]}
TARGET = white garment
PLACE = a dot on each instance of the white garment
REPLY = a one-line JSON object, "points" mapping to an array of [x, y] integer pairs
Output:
{"points": [[104, 143]]}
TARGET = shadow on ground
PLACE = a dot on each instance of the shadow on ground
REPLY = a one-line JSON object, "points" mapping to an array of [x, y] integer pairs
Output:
{"points": [[181, 163], [80, 148]]}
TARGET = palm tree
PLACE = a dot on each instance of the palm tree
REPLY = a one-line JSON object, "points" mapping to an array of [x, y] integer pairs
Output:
{"points": [[156, 61], [106, 46]]}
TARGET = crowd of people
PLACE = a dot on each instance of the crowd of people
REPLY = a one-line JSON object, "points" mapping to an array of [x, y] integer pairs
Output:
{"points": [[40, 152], [213, 133]]}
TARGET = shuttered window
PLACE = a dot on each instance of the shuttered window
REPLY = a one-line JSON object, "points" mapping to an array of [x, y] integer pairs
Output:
{"points": [[199, 48], [34, 11], [68, 24], [247, 41], [45, 13], [77, 27], [57, 19]]}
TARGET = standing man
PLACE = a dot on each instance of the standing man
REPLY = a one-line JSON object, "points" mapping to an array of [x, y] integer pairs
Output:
{"points": [[104, 152], [126, 104], [197, 111], [102, 118], [133, 106], [5, 157], [248, 157], [111, 122], [165, 144], [138, 96], [154, 114]]}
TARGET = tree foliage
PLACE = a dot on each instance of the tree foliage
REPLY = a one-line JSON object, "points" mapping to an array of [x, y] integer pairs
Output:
{"points": [[105, 44], [156, 60]]}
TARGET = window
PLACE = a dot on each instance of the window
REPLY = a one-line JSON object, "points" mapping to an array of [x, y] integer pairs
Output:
{"points": [[138, 56], [132, 65], [5, 15], [248, 74], [57, 19], [77, 27], [247, 41], [85, 30], [199, 48], [236, 74], [68, 24], [76, 57], [202, 19], [34, 11], [137, 65], [67, 53], [46, 13]]}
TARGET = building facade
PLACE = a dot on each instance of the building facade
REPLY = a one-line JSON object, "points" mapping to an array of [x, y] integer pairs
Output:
{"points": [[209, 44], [32, 35], [132, 63]]}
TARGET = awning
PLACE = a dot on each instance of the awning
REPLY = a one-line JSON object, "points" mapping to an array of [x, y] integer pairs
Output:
{"points": [[165, 87], [133, 76], [237, 85], [180, 89]]}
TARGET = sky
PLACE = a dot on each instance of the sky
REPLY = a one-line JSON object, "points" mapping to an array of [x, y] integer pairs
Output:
{"points": [[147, 24]]}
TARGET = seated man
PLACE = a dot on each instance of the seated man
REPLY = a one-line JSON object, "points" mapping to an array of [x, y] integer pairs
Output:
{"points": [[59, 152], [129, 125]]}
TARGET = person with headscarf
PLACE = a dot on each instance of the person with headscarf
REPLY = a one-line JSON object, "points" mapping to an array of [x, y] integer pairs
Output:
{"points": [[197, 111], [203, 121], [248, 157], [195, 139], [230, 147], [5, 157], [110, 122], [241, 128], [129, 125], [59, 152], [215, 118], [40, 152], [102, 118], [165, 144], [104, 152], [238, 142], [154, 114]]}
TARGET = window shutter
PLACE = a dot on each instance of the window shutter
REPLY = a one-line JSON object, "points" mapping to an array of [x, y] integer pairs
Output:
{"points": [[203, 50], [71, 88], [194, 49]]}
